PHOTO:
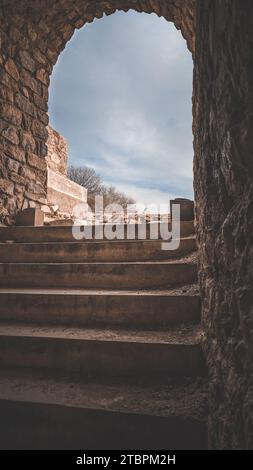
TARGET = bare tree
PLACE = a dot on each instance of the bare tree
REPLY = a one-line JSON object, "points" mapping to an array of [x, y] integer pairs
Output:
{"points": [[86, 177], [113, 196], [92, 181]]}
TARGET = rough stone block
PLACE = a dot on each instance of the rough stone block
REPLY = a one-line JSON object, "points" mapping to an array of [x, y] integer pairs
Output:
{"points": [[11, 133], [25, 105], [13, 151], [30, 82], [6, 94], [11, 68], [28, 142], [39, 130], [42, 75], [13, 165], [186, 208], [30, 217], [27, 61], [36, 162], [7, 187], [10, 113]]}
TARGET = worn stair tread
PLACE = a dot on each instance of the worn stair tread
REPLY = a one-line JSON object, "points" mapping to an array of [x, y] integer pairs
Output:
{"points": [[100, 275], [121, 275], [185, 397], [118, 250], [183, 335], [117, 263], [61, 233], [188, 290], [152, 309], [93, 243], [96, 251]]}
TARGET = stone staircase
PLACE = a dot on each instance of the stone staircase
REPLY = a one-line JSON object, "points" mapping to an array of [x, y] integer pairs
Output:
{"points": [[100, 343]]}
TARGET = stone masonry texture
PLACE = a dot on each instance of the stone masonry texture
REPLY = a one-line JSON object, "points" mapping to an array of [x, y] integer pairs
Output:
{"points": [[219, 35], [223, 177], [57, 152]]}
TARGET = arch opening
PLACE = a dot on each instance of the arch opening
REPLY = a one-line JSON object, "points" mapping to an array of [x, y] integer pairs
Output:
{"points": [[38, 35], [122, 98]]}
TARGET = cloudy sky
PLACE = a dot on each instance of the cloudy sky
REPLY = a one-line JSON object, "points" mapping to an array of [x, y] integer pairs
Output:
{"points": [[121, 94]]}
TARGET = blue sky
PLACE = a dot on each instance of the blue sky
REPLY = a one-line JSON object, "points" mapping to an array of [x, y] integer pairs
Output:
{"points": [[121, 94]]}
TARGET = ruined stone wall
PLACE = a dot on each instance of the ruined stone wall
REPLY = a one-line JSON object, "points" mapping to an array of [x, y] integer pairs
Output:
{"points": [[223, 127], [23, 119], [57, 152], [32, 35]]}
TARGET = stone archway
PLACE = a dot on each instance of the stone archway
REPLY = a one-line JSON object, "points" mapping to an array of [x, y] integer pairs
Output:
{"points": [[33, 36], [219, 33]]}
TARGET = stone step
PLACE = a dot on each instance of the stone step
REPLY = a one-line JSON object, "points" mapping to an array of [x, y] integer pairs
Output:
{"points": [[148, 309], [92, 251], [64, 234], [142, 275], [41, 411], [103, 352]]}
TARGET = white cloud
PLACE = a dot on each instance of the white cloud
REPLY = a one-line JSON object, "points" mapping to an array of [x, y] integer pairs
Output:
{"points": [[147, 196]]}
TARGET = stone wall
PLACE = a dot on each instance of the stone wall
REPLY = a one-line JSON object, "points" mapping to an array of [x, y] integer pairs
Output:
{"points": [[223, 128], [64, 193], [61, 192], [57, 152], [23, 121]]}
